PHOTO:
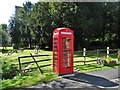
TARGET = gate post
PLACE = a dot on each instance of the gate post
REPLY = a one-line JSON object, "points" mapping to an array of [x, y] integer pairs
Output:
{"points": [[107, 52], [84, 53]]}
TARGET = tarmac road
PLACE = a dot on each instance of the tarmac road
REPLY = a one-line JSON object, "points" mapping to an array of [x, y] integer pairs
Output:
{"points": [[96, 80]]}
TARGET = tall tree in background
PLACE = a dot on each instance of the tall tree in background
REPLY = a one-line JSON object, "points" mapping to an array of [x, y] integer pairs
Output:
{"points": [[4, 35], [15, 32], [94, 24], [20, 27], [118, 25], [24, 17]]}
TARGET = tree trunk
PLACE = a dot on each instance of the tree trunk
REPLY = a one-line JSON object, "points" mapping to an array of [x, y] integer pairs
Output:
{"points": [[119, 33], [30, 42], [119, 27]]}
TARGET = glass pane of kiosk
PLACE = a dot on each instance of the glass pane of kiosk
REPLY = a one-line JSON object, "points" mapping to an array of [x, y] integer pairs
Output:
{"points": [[55, 58], [66, 42]]}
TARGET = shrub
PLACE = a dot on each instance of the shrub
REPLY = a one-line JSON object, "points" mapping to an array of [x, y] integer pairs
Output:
{"points": [[4, 50], [8, 70], [109, 61]]}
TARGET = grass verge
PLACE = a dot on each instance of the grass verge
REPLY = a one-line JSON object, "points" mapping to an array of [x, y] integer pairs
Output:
{"points": [[29, 79], [35, 77]]}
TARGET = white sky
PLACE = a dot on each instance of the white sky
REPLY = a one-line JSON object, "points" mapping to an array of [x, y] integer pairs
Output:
{"points": [[7, 8]]}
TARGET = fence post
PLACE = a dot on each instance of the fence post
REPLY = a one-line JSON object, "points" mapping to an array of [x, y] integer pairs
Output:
{"points": [[97, 53], [19, 64], [36, 63], [107, 52], [84, 53]]}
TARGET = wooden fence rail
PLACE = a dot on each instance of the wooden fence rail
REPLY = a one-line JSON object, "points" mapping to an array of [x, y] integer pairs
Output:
{"points": [[31, 62], [30, 56], [40, 66], [84, 54], [36, 60]]}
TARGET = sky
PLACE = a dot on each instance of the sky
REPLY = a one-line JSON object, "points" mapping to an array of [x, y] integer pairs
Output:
{"points": [[7, 8]]}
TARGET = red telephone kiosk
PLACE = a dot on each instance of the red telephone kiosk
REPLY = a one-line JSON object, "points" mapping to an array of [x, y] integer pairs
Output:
{"points": [[63, 51]]}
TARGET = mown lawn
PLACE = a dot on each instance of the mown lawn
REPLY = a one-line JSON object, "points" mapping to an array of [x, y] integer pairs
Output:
{"points": [[30, 78], [35, 77], [91, 64]]}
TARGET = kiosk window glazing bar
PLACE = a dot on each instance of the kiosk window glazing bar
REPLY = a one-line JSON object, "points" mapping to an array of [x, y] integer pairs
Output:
{"points": [[66, 52], [55, 50]]}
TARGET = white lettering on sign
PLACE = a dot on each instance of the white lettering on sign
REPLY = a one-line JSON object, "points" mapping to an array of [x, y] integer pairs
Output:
{"points": [[56, 33], [66, 33]]}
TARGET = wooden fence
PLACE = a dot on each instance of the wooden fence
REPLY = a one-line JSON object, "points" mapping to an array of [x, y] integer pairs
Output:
{"points": [[84, 55], [32, 62], [107, 52]]}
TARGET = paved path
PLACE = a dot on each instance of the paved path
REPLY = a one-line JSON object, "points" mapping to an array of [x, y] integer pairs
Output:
{"points": [[97, 80]]}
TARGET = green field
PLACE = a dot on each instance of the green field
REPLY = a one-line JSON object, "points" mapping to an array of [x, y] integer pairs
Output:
{"points": [[35, 77]]}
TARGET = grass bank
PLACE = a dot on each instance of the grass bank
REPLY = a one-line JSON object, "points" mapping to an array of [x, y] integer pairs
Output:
{"points": [[35, 77]]}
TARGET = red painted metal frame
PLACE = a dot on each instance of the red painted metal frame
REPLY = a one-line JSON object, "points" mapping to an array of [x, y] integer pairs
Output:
{"points": [[60, 33]]}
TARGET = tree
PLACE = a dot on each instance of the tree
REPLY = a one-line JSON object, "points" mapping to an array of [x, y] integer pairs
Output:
{"points": [[4, 34], [93, 23], [15, 32], [19, 26], [118, 21], [25, 27]]}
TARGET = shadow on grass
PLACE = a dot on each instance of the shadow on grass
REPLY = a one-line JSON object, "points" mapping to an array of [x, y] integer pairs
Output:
{"points": [[91, 79]]}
